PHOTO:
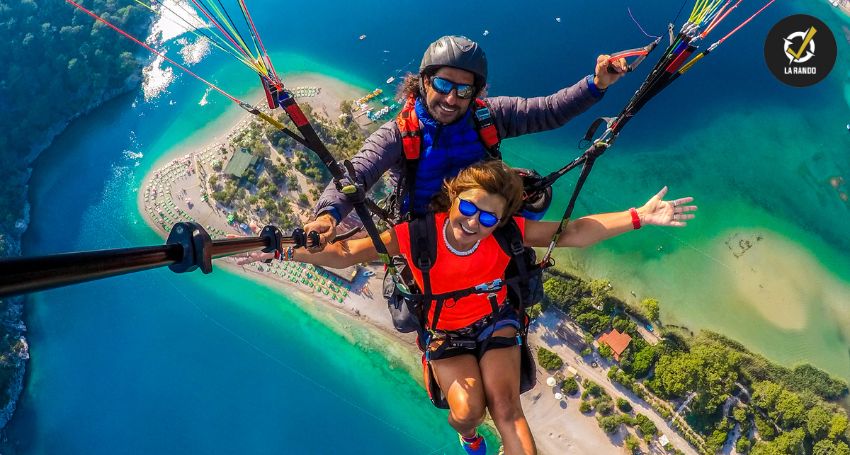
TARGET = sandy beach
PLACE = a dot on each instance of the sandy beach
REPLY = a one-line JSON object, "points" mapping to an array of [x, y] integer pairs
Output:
{"points": [[559, 427]]}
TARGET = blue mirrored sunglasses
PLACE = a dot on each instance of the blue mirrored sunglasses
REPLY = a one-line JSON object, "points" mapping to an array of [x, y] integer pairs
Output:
{"points": [[487, 219], [444, 86]]}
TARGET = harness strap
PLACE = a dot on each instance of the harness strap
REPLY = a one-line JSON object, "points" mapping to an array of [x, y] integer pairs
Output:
{"points": [[408, 126], [411, 142], [486, 127], [489, 287]]}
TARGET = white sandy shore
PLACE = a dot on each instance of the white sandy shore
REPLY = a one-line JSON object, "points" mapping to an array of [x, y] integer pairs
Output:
{"points": [[558, 426]]}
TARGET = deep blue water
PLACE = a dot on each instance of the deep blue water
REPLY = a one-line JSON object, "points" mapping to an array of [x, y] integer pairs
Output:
{"points": [[161, 363]]}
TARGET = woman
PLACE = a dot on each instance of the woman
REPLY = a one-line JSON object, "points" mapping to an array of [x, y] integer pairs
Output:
{"points": [[469, 209]]}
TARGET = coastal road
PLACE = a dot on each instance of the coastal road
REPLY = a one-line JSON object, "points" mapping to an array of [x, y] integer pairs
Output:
{"points": [[542, 333]]}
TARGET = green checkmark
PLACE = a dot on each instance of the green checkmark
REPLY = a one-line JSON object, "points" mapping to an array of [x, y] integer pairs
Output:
{"points": [[809, 35]]}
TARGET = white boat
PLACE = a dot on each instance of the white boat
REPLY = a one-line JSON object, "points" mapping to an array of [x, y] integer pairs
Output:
{"points": [[390, 80], [362, 37], [486, 32], [557, 19]]}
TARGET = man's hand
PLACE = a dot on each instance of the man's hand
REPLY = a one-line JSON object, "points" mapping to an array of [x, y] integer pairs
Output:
{"points": [[325, 225], [602, 77]]}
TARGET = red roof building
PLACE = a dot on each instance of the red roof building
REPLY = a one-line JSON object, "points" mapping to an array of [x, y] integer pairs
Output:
{"points": [[618, 342]]}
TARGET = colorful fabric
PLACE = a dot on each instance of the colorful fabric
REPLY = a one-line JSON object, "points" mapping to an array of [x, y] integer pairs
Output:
{"points": [[475, 446]]}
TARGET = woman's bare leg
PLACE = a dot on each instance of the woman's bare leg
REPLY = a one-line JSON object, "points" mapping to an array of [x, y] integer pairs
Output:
{"points": [[460, 379], [500, 369]]}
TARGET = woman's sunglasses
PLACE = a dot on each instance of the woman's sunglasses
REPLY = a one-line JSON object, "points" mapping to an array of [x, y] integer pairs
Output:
{"points": [[487, 219], [444, 86]]}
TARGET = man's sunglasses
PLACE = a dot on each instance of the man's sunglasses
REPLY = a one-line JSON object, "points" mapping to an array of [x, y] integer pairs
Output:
{"points": [[444, 86], [487, 219]]}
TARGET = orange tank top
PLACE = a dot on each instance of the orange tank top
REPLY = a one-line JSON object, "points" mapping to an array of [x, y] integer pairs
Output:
{"points": [[451, 272]]}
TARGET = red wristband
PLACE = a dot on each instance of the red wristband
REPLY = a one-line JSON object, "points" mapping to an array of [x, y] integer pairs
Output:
{"points": [[635, 218]]}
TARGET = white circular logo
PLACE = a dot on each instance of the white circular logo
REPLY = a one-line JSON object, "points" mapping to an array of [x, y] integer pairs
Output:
{"points": [[794, 56]]}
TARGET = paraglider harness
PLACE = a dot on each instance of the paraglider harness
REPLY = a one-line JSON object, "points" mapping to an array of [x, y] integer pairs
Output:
{"points": [[410, 308], [536, 198]]}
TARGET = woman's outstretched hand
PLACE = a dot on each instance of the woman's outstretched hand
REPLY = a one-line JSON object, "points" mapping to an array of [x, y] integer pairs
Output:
{"points": [[659, 212]]}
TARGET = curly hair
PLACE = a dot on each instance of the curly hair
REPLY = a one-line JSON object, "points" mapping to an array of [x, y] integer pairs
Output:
{"points": [[492, 176]]}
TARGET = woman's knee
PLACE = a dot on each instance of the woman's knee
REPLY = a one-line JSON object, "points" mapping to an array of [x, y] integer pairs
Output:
{"points": [[467, 409], [505, 408]]}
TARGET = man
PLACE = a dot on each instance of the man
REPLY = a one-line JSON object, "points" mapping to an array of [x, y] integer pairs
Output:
{"points": [[442, 98]]}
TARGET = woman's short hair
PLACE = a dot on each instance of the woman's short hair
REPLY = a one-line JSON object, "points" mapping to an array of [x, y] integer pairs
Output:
{"points": [[493, 176]]}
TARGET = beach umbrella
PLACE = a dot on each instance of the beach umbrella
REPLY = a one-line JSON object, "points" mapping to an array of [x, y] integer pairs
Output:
{"points": [[558, 396], [550, 381]]}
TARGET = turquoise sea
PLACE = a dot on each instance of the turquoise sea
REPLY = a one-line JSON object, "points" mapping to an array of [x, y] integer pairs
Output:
{"points": [[164, 363]]}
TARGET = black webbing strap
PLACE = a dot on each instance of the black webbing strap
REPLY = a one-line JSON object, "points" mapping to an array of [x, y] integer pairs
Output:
{"points": [[510, 239], [592, 129]]}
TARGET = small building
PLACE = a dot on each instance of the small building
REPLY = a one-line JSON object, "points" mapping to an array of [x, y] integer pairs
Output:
{"points": [[571, 372], [663, 440], [618, 342], [240, 162]]}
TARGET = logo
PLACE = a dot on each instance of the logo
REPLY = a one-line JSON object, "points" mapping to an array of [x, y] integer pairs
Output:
{"points": [[800, 50]]}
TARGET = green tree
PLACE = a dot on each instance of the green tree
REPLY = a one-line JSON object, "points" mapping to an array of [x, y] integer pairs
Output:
{"points": [[766, 394], [789, 410], [603, 405], [609, 424], [830, 447], [346, 107], [642, 361], [672, 378], [632, 444], [569, 386], [645, 425], [606, 351], [709, 370], [740, 415], [817, 422], [599, 291], [743, 445], [592, 389], [594, 322], [548, 359], [621, 324], [765, 428], [651, 309], [560, 292], [788, 443], [838, 426], [624, 405]]}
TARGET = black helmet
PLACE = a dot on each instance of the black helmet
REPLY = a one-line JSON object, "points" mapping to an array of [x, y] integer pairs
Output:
{"points": [[458, 52]]}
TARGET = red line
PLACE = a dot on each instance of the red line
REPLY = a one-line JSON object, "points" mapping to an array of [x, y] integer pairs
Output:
{"points": [[140, 43], [746, 21], [719, 19], [627, 54]]}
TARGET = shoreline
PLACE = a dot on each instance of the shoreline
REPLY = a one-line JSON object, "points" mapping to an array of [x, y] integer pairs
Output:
{"points": [[557, 424]]}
